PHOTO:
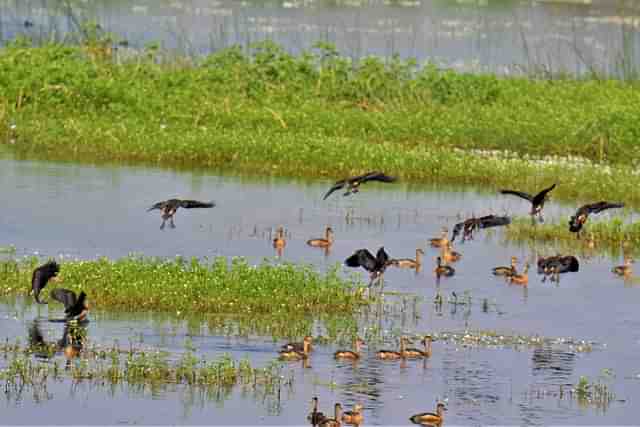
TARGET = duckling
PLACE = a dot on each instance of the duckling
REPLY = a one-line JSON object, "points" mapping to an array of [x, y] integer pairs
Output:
{"points": [[625, 269], [354, 417], [314, 416], [353, 183], [429, 417], [41, 277], [506, 271], [521, 279], [414, 352], [442, 240], [293, 355], [408, 262], [299, 346], [580, 218], [393, 355], [323, 243], [448, 255], [333, 422], [347, 354], [537, 201], [279, 241], [168, 208], [443, 270]]}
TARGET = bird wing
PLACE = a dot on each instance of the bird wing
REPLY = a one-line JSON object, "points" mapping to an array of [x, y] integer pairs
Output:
{"points": [[337, 186], [362, 258], [494, 221], [382, 257], [541, 195], [456, 230], [66, 297], [77, 307], [601, 206], [158, 205], [522, 194], [190, 204], [375, 176], [41, 276]]}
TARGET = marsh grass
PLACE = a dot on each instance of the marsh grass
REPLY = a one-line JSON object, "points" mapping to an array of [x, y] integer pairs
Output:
{"points": [[190, 286], [264, 111]]}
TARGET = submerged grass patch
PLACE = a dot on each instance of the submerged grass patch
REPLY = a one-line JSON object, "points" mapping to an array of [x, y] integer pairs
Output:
{"points": [[264, 111], [190, 286]]}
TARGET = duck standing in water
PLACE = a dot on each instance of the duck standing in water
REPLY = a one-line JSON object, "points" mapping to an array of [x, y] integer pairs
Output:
{"points": [[430, 418], [374, 265], [442, 240], [506, 271], [408, 262], [624, 270], [41, 277], [348, 354], [522, 278], [577, 221], [412, 353], [354, 417], [353, 183], [537, 201], [333, 422], [323, 243], [299, 346], [293, 355], [168, 209], [391, 354], [75, 307], [279, 241]]}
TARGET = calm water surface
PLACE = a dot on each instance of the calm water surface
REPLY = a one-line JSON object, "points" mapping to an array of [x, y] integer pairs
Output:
{"points": [[68, 210], [503, 36]]}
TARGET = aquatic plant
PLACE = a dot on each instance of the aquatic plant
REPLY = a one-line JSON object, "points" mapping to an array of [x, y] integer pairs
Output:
{"points": [[265, 111], [182, 286]]}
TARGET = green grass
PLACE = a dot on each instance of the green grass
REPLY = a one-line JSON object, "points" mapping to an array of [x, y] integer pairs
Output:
{"points": [[317, 114], [185, 287]]}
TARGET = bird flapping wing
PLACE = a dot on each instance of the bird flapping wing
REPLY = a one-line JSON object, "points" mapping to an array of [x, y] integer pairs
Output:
{"points": [[190, 204], [601, 206], [375, 176], [158, 205], [362, 258], [542, 194], [382, 257], [337, 186], [66, 297], [522, 194], [41, 276]]}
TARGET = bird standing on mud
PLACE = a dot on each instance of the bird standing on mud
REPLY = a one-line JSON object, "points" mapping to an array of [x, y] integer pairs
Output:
{"points": [[537, 201], [169, 207], [354, 183], [41, 277], [580, 218]]}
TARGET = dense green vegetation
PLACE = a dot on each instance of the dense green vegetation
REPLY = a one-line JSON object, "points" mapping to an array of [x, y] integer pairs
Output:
{"points": [[185, 287], [265, 111]]}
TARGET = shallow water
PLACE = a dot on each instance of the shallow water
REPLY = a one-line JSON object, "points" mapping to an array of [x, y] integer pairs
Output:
{"points": [[507, 36], [83, 211]]}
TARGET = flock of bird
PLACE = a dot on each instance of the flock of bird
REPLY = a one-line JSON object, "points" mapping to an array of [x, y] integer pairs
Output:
{"points": [[77, 308]]}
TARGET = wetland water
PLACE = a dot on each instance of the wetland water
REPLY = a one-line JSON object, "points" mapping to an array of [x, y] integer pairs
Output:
{"points": [[484, 35], [81, 211]]}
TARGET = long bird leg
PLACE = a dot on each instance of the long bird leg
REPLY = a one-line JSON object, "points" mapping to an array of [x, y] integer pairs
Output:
{"points": [[171, 223], [163, 222]]}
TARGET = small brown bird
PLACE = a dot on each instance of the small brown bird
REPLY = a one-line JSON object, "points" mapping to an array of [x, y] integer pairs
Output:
{"points": [[429, 417], [348, 354], [299, 346], [323, 243], [333, 422], [521, 279], [408, 262], [354, 417], [393, 355], [449, 255], [279, 241], [507, 271], [443, 270], [292, 355], [625, 269], [442, 240], [412, 353]]}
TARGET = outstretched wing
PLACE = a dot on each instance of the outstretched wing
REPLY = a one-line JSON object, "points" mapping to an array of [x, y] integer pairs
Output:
{"points": [[382, 257], [494, 221], [362, 258], [190, 204], [601, 206], [375, 176], [66, 297], [522, 194], [158, 205], [337, 186], [539, 198], [41, 276], [78, 306]]}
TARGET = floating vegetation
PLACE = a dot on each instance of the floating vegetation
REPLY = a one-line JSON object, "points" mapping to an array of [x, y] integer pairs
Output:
{"points": [[262, 110], [190, 286]]}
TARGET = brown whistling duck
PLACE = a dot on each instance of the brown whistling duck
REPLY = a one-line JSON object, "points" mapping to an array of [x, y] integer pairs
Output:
{"points": [[414, 352], [506, 271], [442, 269], [279, 241], [449, 255], [314, 416], [333, 422], [75, 307], [442, 240], [168, 208], [41, 277], [430, 417], [295, 355], [521, 278], [354, 183], [408, 262], [354, 417], [323, 243], [537, 201], [348, 354], [374, 265], [577, 221], [393, 355], [299, 346], [625, 269]]}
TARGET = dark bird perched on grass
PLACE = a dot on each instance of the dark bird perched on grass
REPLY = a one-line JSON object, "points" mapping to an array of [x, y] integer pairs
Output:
{"points": [[375, 266], [41, 277], [169, 207], [468, 226], [580, 218], [354, 183], [75, 307], [537, 201]]}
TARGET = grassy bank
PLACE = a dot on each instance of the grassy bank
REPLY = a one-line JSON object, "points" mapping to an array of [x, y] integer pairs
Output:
{"points": [[185, 287], [267, 112]]}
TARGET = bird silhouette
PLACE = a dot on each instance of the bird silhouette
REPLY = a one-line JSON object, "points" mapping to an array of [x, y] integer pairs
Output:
{"points": [[354, 183], [169, 207]]}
